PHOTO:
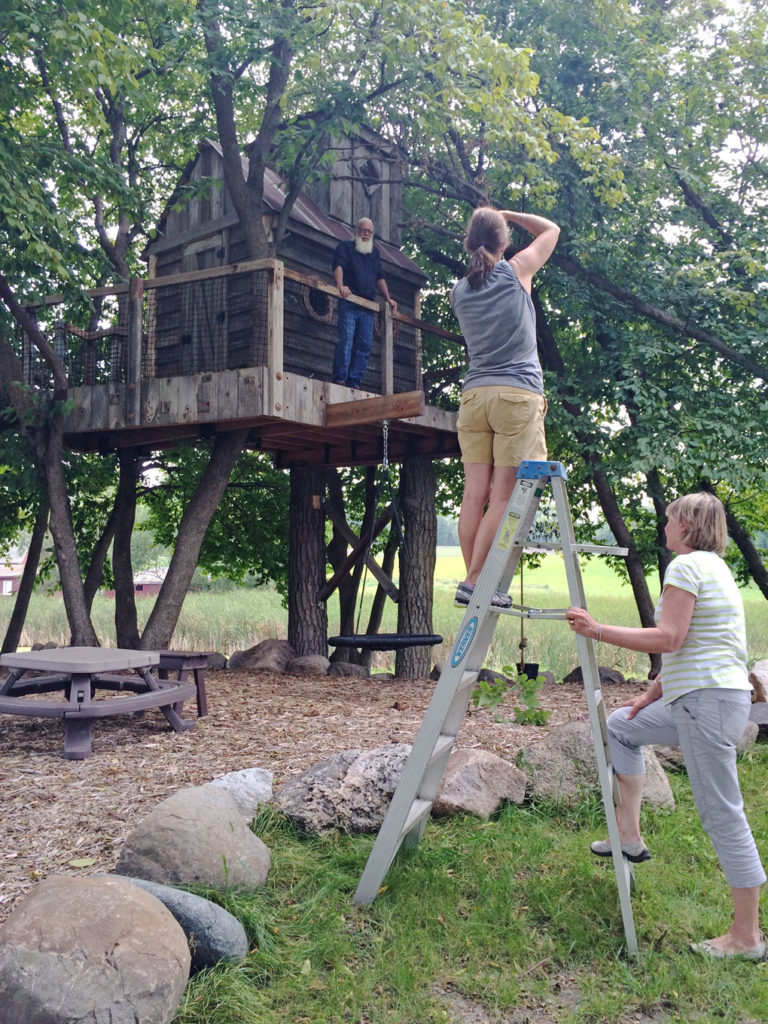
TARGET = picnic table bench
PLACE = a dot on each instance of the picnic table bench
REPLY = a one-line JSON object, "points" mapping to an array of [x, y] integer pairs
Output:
{"points": [[80, 672]]}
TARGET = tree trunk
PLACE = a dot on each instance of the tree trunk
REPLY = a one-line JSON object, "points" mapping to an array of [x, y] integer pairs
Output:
{"points": [[744, 543], [552, 360], [50, 450], [336, 552], [656, 491], [94, 578], [194, 522], [307, 617], [615, 520], [750, 553], [126, 620], [27, 584], [380, 597], [349, 586], [417, 562]]}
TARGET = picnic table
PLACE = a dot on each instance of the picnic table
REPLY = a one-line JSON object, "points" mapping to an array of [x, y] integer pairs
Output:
{"points": [[80, 672]]}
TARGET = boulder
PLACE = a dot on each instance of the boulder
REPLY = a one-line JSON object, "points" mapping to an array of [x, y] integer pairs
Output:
{"points": [[758, 677], [79, 950], [350, 791], [758, 714], [478, 782], [489, 675], [348, 670], [196, 836], [249, 788], [562, 767], [216, 660], [308, 665], [672, 757], [213, 934], [269, 656], [608, 676]]}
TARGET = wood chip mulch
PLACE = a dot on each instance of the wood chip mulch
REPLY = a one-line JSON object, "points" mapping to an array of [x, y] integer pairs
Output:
{"points": [[71, 817]]}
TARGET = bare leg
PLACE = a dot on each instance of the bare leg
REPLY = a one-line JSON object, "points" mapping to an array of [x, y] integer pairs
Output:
{"points": [[477, 486], [628, 811], [502, 485], [744, 933]]}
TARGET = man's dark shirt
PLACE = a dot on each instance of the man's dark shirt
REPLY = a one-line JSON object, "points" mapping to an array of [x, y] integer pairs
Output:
{"points": [[361, 270]]}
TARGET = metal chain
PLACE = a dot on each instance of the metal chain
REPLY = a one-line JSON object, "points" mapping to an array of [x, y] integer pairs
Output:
{"points": [[385, 444]]}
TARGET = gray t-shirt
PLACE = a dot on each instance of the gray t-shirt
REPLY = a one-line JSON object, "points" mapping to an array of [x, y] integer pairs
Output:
{"points": [[499, 326]]}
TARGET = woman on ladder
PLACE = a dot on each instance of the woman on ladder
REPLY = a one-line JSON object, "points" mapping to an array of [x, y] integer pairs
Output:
{"points": [[501, 416]]}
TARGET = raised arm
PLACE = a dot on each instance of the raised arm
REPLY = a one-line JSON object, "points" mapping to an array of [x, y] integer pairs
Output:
{"points": [[534, 256]]}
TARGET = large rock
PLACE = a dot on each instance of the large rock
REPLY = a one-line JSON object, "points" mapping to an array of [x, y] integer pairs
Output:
{"points": [[213, 934], [758, 714], [308, 665], [608, 676], [269, 656], [758, 677], [91, 951], [672, 757], [562, 767], [478, 782], [348, 670], [196, 836], [350, 791], [249, 788]]}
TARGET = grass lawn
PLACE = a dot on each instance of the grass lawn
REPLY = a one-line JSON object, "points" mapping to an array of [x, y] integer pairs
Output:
{"points": [[501, 917]]}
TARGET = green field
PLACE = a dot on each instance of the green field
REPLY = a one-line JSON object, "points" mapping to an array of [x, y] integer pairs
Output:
{"points": [[239, 618]]}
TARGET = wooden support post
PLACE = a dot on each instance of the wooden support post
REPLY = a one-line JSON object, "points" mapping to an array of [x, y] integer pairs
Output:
{"points": [[133, 361], [275, 305], [387, 352]]}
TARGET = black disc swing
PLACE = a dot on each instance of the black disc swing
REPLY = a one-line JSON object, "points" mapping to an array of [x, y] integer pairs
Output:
{"points": [[387, 641]]}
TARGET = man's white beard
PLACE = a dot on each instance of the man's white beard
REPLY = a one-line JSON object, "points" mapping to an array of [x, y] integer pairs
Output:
{"points": [[363, 245]]}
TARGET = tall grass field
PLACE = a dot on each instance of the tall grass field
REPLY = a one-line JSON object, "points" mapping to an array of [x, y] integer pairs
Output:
{"points": [[242, 617]]}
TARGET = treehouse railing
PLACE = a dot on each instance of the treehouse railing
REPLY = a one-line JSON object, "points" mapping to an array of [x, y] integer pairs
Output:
{"points": [[256, 313]]}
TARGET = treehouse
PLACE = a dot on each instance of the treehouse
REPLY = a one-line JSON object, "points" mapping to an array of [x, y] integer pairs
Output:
{"points": [[211, 341]]}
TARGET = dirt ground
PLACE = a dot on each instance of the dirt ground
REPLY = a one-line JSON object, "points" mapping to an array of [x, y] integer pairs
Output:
{"points": [[71, 817]]}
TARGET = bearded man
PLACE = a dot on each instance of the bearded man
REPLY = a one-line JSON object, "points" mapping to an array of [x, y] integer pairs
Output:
{"points": [[356, 270]]}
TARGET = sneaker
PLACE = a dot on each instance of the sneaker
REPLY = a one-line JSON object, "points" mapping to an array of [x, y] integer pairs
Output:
{"points": [[636, 852], [464, 592]]}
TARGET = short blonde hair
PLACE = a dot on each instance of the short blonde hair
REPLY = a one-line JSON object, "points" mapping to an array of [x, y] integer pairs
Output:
{"points": [[703, 518]]}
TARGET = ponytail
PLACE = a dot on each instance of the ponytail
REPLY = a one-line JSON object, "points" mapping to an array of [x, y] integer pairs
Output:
{"points": [[480, 266], [487, 235]]}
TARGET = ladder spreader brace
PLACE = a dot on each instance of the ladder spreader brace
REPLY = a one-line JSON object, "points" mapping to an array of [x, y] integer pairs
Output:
{"points": [[412, 801]]}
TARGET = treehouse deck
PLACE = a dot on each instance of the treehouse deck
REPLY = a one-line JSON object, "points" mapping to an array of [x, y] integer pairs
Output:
{"points": [[242, 346]]}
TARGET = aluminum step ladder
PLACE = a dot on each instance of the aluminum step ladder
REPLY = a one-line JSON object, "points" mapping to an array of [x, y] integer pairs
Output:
{"points": [[423, 771]]}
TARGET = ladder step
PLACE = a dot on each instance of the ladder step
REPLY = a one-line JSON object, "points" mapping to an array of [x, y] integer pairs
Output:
{"points": [[419, 810], [593, 549], [522, 611]]}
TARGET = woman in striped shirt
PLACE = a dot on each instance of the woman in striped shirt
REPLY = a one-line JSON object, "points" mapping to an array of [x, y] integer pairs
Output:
{"points": [[700, 702]]}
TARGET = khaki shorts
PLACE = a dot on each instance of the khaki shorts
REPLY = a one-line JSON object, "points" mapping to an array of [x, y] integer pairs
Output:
{"points": [[501, 425]]}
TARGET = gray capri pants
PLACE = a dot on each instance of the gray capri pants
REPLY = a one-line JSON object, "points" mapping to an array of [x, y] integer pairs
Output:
{"points": [[706, 725]]}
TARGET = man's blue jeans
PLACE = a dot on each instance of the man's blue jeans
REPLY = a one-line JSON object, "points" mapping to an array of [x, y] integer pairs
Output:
{"points": [[353, 348]]}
